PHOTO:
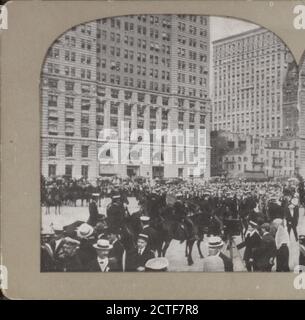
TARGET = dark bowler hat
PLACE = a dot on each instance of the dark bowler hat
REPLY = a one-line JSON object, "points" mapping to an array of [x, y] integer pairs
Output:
{"points": [[157, 265]]}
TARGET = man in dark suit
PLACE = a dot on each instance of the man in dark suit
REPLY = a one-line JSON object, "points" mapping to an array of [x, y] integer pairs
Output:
{"points": [[117, 251], [252, 243], [116, 212], [267, 251], [149, 231], [137, 258], [102, 262], [85, 234], [292, 217]]}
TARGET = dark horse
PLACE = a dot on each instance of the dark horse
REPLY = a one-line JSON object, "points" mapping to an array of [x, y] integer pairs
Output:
{"points": [[169, 228], [53, 199]]}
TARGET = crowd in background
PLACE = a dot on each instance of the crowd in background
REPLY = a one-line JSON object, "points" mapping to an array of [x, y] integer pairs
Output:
{"points": [[262, 214]]}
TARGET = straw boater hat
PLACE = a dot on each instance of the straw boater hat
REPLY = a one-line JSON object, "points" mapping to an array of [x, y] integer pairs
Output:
{"points": [[157, 264], [144, 218], [215, 242], [102, 244], [84, 231], [143, 236]]}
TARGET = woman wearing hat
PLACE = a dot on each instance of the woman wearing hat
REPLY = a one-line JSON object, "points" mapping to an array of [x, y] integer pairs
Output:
{"points": [[282, 246], [292, 217], [252, 244]]}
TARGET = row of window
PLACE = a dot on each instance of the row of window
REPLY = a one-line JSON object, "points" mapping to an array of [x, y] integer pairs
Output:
{"points": [[69, 148], [101, 91], [183, 40], [182, 27], [121, 23], [52, 170]]}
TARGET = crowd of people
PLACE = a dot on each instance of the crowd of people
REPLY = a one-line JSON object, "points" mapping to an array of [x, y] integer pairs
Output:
{"points": [[261, 215]]}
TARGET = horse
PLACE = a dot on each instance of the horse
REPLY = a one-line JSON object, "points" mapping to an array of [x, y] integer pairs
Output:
{"points": [[53, 199], [206, 224], [169, 228]]}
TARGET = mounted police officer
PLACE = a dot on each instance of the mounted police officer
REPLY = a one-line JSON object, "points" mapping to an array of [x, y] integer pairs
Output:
{"points": [[180, 212], [116, 212]]}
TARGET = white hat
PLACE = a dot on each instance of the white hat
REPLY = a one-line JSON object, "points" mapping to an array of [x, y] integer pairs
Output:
{"points": [[84, 231], [215, 242], [102, 244], [144, 218], [157, 264]]}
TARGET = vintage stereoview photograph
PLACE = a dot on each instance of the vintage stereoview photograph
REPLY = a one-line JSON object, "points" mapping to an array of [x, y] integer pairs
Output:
{"points": [[172, 143]]}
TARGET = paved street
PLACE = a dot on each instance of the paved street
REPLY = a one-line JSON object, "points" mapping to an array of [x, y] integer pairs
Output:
{"points": [[176, 251]]}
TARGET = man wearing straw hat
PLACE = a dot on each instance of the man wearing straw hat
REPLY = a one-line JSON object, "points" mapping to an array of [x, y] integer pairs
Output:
{"points": [[213, 262], [215, 247], [117, 252], [85, 235], [149, 231], [136, 259], [101, 263]]}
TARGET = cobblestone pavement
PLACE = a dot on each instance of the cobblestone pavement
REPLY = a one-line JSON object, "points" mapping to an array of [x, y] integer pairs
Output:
{"points": [[176, 251]]}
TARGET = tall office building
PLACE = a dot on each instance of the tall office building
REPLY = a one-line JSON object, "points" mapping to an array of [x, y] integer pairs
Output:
{"points": [[134, 72], [249, 72], [290, 100], [302, 120]]}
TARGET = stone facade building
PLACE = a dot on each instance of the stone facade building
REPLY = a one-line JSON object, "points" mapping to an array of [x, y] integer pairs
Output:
{"points": [[141, 72]]}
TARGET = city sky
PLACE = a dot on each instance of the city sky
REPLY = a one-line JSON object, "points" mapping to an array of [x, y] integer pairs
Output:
{"points": [[224, 27]]}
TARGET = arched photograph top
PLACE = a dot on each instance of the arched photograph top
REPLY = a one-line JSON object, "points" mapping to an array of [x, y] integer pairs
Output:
{"points": [[159, 132]]}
